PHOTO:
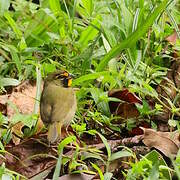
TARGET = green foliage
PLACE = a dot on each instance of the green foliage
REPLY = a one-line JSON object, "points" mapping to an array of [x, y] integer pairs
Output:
{"points": [[176, 164], [151, 166], [8, 174], [106, 45]]}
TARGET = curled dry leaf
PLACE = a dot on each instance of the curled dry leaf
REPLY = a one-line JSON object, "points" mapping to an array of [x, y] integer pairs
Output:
{"points": [[23, 97], [126, 109], [166, 142], [29, 158], [17, 129]]}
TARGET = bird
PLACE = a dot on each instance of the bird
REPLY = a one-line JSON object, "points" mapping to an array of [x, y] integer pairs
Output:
{"points": [[57, 104]]}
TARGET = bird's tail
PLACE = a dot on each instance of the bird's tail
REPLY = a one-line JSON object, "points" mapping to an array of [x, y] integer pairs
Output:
{"points": [[54, 132]]}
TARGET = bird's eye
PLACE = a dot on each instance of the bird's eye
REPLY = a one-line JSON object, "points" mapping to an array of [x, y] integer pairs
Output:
{"points": [[62, 75], [65, 74]]}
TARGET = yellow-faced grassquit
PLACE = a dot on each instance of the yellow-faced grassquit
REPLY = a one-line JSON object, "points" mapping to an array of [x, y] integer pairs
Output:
{"points": [[57, 104]]}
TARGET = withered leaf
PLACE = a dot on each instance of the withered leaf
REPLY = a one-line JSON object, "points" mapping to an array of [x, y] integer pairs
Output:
{"points": [[127, 108], [166, 142]]}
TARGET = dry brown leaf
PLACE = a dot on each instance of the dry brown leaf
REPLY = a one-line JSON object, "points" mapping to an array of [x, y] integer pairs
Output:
{"points": [[125, 109], [23, 97], [40, 125], [16, 129], [3, 104], [166, 142], [29, 158]]}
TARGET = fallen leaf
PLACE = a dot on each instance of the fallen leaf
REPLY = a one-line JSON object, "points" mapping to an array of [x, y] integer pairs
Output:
{"points": [[124, 95], [29, 158], [137, 130], [166, 142], [127, 108], [16, 130], [173, 37], [23, 97], [3, 104]]}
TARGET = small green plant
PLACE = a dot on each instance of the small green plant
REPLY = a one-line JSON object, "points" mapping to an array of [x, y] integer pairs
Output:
{"points": [[151, 166], [8, 174]]}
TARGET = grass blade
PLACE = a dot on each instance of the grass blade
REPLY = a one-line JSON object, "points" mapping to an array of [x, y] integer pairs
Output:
{"points": [[13, 25], [135, 36]]}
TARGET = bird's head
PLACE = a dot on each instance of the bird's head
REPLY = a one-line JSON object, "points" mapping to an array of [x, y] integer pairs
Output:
{"points": [[60, 78]]}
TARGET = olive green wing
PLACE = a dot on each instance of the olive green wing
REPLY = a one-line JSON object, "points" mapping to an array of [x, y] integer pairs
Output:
{"points": [[63, 105], [45, 109]]}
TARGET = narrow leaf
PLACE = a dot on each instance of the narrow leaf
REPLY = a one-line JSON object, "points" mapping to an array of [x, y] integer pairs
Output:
{"points": [[4, 6], [13, 25], [133, 38], [89, 77], [98, 170], [120, 154]]}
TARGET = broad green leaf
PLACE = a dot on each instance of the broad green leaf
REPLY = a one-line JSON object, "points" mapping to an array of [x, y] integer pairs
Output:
{"points": [[58, 166], [98, 170], [89, 77], [154, 172], [156, 157], [90, 32], [16, 60], [22, 44], [135, 20], [13, 25], [55, 6], [120, 154], [141, 3], [61, 146], [101, 99], [27, 120], [36, 31], [104, 140], [4, 6], [1, 146], [108, 176], [86, 155], [66, 141], [9, 82], [128, 19], [88, 5], [175, 24], [133, 38]]}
